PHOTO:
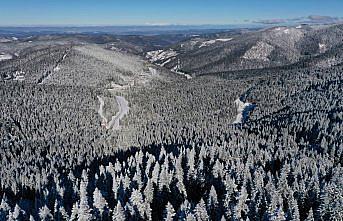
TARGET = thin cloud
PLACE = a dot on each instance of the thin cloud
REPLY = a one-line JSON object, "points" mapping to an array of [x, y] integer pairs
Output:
{"points": [[323, 19], [271, 21], [312, 19]]}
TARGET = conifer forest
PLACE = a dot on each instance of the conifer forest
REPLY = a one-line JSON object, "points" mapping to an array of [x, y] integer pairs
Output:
{"points": [[241, 124]]}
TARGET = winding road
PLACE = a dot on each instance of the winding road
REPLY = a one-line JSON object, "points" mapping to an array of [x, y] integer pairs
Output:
{"points": [[123, 105]]}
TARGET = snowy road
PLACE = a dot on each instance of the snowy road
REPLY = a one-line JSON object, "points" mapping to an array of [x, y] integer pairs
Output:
{"points": [[123, 106]]}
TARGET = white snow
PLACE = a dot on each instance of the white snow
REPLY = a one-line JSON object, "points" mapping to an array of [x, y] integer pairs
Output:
{"points": [[176, 71], [19, 76], [210, 42], [153, 71], [224, 39], [260, 51], [243, 110], [5, 40], [166, 62], [284, 30], [322, 48], [299, 27], [159, 55], [4, 57]]}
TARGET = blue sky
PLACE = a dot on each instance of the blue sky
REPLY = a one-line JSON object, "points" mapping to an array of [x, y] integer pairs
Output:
{"points": [[142, 12]]}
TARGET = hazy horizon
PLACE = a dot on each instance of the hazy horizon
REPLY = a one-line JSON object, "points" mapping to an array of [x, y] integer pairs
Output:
{"points": [[139, 13]]}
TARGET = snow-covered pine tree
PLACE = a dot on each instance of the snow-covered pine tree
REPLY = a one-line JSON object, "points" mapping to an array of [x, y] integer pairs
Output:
{"points": [[118, 213], [200, 211], [169, 212], [45, 214], [84, 211], [99, 203]]}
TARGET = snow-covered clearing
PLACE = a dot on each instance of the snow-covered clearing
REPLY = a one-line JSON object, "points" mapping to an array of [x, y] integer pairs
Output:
{"points": [[19, 76], [4, 57], [161, 55], [210, 42], [243, 110]]}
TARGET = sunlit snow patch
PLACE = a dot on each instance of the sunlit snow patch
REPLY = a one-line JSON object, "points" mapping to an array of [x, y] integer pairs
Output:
{"points": [[243, 110], [57, 68], [210, 42], [177, 71], [4, 57], [160, 55], [322, 48]]}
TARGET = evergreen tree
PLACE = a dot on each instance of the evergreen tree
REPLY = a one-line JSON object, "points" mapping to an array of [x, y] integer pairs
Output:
{"points": [[200, 211], [169, 212], [45, 214], [84, 211], [99, 202], [118, 213]]}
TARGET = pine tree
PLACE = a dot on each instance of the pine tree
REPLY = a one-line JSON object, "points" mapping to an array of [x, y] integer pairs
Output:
{"points": [[169, 212], [241, 205], [74, 212], [149, 191], [118, 213], [31, 218], [200, 211], [4, 208], [136, 200], [293, 210], [45, 213], [212, 201], [84, 211], [310, 216], [99, 202], [17, 212], [191, 217]]}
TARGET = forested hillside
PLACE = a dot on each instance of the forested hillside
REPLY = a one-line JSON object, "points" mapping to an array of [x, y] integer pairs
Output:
{"points": [[89, 132]]}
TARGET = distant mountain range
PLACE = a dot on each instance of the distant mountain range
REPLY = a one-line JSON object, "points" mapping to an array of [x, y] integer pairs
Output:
{"points": [[242, 50], [121, 30]]}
